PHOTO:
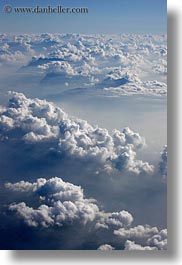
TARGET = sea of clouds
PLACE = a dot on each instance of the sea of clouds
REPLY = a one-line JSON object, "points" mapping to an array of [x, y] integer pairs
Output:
{"points": [[66, 183], [103, 64]]}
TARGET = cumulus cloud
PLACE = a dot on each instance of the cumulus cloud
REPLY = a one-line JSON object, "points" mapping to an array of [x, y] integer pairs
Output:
{"points": [[159, 240], [115, 219], [161, 68], [14, 50], [114, 64], [130, 84], [139, 231], [118, 77], [36, 120], [58, 203], [106, 247], [151, 236], [36, 131], [131, 245], [57, 67], [63, 203]]}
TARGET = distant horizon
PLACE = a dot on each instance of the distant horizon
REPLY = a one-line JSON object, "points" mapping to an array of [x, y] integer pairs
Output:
{"points": [[76, 33]]}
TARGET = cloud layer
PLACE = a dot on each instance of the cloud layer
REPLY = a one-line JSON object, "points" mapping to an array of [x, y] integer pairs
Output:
{"points": [[108, 65], [107, 194]]}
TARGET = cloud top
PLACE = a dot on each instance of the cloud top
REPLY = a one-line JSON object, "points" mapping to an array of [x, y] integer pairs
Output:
{"points": [[58, 203], [34, 121], [62, 202]]}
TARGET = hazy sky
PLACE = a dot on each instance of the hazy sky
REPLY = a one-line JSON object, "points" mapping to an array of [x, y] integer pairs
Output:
{"points": [[112, 17]]}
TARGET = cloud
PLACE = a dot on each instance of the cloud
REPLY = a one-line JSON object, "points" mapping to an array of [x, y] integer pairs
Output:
{"points": [[159, 240], [150, 236], [57, 67], [33, 121], [51, 203], [37, 119], [161, 68], [119, 77], [130, 84], [9, 58], [63, 203], [106, 247], [131, 245], [139, 231], [115, 219], [23, 186], [14, 50], [37, 138], [118, 65]]}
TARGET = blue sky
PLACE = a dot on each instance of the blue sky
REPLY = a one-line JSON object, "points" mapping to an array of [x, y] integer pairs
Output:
{"points": [[111, 17]]}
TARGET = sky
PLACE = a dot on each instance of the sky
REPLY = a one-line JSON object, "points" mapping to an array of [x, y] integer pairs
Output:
{"points": [[105, 17]]}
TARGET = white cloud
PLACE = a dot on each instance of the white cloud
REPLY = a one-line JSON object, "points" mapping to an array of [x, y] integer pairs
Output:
{"points": [[14, 50], [128, 57], [154, 88], [105, 65], [121, 76], [38, 120], [59, 203], [23, 186], [159, 240], [115, 219], [150, 236], [58, 67], [106, 247], [131, 245], [139, 231], [63, 203]]}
